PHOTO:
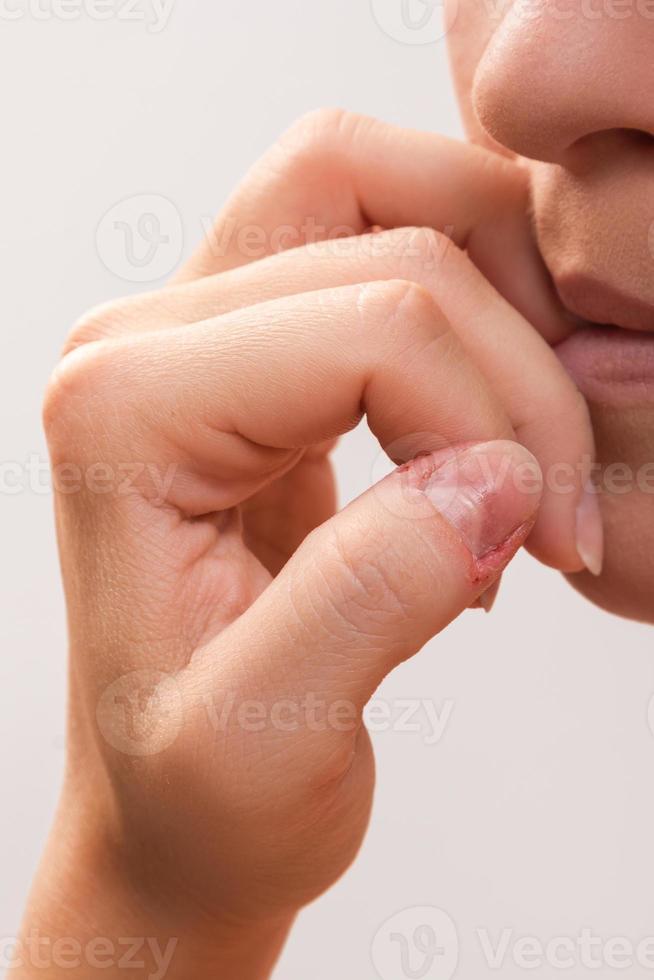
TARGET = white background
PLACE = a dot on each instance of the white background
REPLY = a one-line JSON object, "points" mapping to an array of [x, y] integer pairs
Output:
{"points": [[535, 810]]}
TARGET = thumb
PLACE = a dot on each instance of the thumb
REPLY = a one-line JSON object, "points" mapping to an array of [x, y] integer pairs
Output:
{"points": [[372, 585]]}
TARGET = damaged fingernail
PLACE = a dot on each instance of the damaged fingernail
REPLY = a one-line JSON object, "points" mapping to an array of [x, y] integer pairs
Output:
{"points": [[477, 491]]}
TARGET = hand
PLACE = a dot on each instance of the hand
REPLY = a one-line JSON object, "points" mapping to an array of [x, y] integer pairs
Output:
{"points": [[226, 629]]}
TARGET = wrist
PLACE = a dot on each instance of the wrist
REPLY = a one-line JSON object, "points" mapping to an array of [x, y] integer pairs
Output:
{"points": [[87, 917]]}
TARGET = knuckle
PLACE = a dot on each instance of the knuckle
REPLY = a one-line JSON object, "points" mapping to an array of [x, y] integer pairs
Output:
{"points": [[426, 249], [404, 310], [412, 298], [379, 301], [98, 323], [322, 139], [316, 126], [71, 395]]}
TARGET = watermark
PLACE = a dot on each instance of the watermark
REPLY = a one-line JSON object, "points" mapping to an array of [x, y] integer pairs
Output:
{"points": [[414, 22], [35, 475], [564, 11], [416, 944], [421, 717], [313, 713], [142, 956], [410, 457], [153, 14], [585, 950], [141, 238], [143, 712], [423, 943], [254, 241]]}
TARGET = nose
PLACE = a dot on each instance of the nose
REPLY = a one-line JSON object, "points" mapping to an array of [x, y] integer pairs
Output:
{"points": [[559, 72]]}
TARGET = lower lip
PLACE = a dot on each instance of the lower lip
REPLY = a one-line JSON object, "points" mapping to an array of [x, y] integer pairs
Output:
{"points": [[610, 365]]}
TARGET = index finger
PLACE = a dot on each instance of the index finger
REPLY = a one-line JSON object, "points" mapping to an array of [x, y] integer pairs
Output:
{"points": [[337, 174]]}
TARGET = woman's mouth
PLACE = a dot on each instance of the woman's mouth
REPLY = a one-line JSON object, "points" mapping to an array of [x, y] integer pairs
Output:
{"points": [[610, 365], [611, 359]]}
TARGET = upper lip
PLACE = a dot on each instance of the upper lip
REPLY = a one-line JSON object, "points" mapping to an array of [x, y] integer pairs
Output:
{"points": [[596, 302]]}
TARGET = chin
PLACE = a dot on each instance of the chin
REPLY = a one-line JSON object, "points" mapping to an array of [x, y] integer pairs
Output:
{"points": [[626, 585]]}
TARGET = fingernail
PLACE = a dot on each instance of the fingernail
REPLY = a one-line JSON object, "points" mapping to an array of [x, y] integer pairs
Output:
{"points": [[590, 531], [487, 599], [479, 493]]}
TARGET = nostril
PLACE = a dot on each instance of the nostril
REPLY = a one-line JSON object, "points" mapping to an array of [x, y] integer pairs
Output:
{"points": [[547, 89], [624, 136], [639, 136], [594, 149]]}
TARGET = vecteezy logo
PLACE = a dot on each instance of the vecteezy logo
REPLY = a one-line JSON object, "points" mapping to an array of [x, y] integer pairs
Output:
{"points": [[141, 713], [416, 944], [141, 238], [414, 21]]}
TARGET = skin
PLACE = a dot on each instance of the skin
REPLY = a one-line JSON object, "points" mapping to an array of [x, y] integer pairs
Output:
{"points": [[231, 578]]}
